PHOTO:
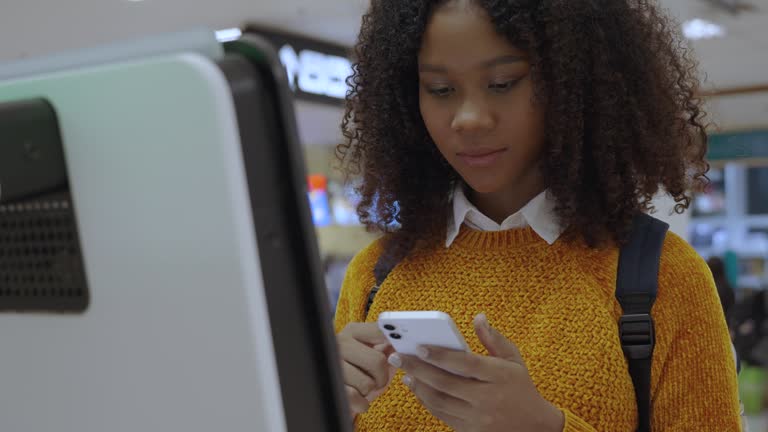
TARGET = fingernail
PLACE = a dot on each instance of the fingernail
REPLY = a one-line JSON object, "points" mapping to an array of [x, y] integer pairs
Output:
{"points": [[422, 352], [395, 360], [407, 381]]}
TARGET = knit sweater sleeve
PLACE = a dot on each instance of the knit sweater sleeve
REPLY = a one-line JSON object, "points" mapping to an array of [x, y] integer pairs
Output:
{"points": [[358, 282], [694, 382], [693, 376], [575, 424]]}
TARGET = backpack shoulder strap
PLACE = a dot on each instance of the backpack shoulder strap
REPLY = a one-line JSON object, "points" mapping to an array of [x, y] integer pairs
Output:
{"points": [[381, 271], [636, 287]]}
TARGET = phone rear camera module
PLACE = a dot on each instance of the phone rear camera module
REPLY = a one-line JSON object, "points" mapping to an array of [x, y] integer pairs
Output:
{"points": [[389, 327], [395, 336]]}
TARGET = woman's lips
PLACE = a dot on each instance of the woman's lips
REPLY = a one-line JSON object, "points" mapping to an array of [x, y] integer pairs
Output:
{"points": [[481, 158]]}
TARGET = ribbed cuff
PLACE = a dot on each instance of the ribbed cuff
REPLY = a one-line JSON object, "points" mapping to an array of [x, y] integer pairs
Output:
{"points": [[575, 424]]}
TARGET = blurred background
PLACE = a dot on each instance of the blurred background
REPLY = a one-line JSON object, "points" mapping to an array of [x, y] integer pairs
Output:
{"points": [[728, 223]]}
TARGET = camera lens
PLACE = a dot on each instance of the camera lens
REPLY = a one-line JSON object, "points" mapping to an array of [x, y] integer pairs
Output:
{"points": [[389, 327], [395, 335]]}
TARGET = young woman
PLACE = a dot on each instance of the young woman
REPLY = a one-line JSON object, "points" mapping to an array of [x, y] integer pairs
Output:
{"points": [[505, 147]]}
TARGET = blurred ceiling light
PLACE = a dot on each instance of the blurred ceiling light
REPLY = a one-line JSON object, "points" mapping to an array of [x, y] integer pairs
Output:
{"points": [[228, 35], [697, 29]]}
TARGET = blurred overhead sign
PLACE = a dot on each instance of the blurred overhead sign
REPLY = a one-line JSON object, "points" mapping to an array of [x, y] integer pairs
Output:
{"points": [[738, 145], [316, 70]]}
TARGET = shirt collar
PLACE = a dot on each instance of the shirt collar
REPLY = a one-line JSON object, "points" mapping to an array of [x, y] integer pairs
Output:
{"points": [[538, 214]]}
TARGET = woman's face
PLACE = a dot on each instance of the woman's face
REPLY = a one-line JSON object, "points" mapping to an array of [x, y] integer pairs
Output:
{"points": [[475, 95]]}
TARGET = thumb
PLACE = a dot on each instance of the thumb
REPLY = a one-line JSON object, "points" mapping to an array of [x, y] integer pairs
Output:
{"points": [[387, 350], [495, 342]]}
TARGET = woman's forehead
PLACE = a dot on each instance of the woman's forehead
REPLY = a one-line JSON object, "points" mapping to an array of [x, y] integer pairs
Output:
{"points": [[463, 38]]}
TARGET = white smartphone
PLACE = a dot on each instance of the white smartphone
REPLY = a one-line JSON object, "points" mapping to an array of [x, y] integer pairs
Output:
{"points": [[407, 331]]}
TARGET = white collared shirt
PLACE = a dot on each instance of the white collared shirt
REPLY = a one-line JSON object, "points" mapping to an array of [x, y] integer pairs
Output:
{"points": [[538, 214]]}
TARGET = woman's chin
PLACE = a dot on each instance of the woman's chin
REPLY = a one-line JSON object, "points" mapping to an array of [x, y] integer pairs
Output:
{"points": [[483, 186]]}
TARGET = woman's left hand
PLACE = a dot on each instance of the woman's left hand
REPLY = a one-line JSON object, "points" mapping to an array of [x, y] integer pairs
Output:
{"points": [[481, 393]]}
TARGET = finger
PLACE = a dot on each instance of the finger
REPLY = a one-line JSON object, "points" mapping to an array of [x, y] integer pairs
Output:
{"points": [[358, 379], [454, 423], [357, 403], [442, 405], [465, 364], [386, 348], [367, 333], [439, 379], [378, 392], [496, 343], [368, 360]]}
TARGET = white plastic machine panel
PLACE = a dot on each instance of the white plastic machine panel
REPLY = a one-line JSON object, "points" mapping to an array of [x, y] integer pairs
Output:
{"points": [[177, 336]]}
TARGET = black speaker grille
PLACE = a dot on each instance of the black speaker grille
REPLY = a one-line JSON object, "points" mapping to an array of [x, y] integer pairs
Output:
{"points": [[41, 266]]}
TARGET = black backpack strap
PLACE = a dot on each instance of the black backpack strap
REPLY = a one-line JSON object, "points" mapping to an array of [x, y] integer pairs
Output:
{"points": [[381, 271], [636, 287]]}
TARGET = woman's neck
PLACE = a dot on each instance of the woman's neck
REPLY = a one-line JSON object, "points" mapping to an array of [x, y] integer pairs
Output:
{"points": [[500, 204]]}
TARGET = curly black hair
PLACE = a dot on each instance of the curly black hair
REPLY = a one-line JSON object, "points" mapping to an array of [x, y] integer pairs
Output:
{"points": [[618, 85]]}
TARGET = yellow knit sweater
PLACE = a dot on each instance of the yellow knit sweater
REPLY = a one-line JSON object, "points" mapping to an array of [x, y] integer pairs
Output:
{"points": [[557, 304]]}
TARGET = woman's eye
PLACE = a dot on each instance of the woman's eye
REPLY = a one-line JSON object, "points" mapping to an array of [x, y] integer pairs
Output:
{"points": [[503, 87], [440, 91]]}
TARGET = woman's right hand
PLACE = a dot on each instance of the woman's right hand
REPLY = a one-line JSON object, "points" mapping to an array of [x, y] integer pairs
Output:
{"points": [[364, 350]]}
